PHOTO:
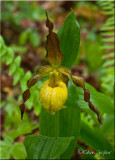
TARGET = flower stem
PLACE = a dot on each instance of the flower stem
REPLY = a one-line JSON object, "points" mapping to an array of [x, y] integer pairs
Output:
{"points": [[57, 127]]}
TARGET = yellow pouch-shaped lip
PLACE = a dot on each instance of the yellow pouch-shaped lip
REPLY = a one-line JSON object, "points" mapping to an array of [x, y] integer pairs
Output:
{"points": [[53, 98]]}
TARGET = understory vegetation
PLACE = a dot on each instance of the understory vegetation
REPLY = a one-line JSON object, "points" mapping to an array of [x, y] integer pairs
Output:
{"points": [[86, 33]]}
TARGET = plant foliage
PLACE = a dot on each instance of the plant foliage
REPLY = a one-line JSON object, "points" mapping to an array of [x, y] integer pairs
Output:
{"points": [[107, 32]]}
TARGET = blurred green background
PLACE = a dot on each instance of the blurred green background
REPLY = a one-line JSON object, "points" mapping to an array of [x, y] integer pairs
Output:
{"points": [[23, 35]]}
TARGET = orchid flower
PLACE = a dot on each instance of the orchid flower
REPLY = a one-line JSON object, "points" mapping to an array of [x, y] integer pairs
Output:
{"points": [[54, 91]]}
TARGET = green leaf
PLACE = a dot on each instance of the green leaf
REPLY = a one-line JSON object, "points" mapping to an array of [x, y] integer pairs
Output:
{"points": [[23, 128], [18, 151], [3, 103], [12, 69], [107, 28], [111, 12], [19, 49], [42, 147], [110, 21], [17, 76], [69, 35], [95, 59], [108, 125], [3, 50], [108, 63], [14, 65], [12, 149], [23, 38], [37, 13], [5, 147], [65, 122], [37, 108], [108, 39], [107, 33], [7, 139], [1, 41], [34, 38], [96, 140], [9, 56]]}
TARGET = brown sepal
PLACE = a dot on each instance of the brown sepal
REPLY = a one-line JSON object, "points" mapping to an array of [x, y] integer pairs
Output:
{"points": [[49, 24], [22, 108], [26, 95], [54, 54]]}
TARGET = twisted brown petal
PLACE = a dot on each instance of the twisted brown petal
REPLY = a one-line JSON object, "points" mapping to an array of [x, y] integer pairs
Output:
{"points": [[80, 83], [26, 95], [31, 82], [22, 108]]}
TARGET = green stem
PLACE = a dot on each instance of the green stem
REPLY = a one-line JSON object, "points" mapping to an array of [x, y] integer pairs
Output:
{"points": [[57, 126]]}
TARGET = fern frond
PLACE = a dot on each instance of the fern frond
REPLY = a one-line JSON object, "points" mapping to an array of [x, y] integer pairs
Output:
{"points": [[107, 32]]}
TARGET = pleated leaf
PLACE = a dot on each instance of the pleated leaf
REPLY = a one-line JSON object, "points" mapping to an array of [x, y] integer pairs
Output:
{"points": [[43, 147]]}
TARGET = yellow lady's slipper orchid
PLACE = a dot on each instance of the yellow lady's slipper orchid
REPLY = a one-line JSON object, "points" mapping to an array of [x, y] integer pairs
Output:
{"points": [[54, 92]]}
